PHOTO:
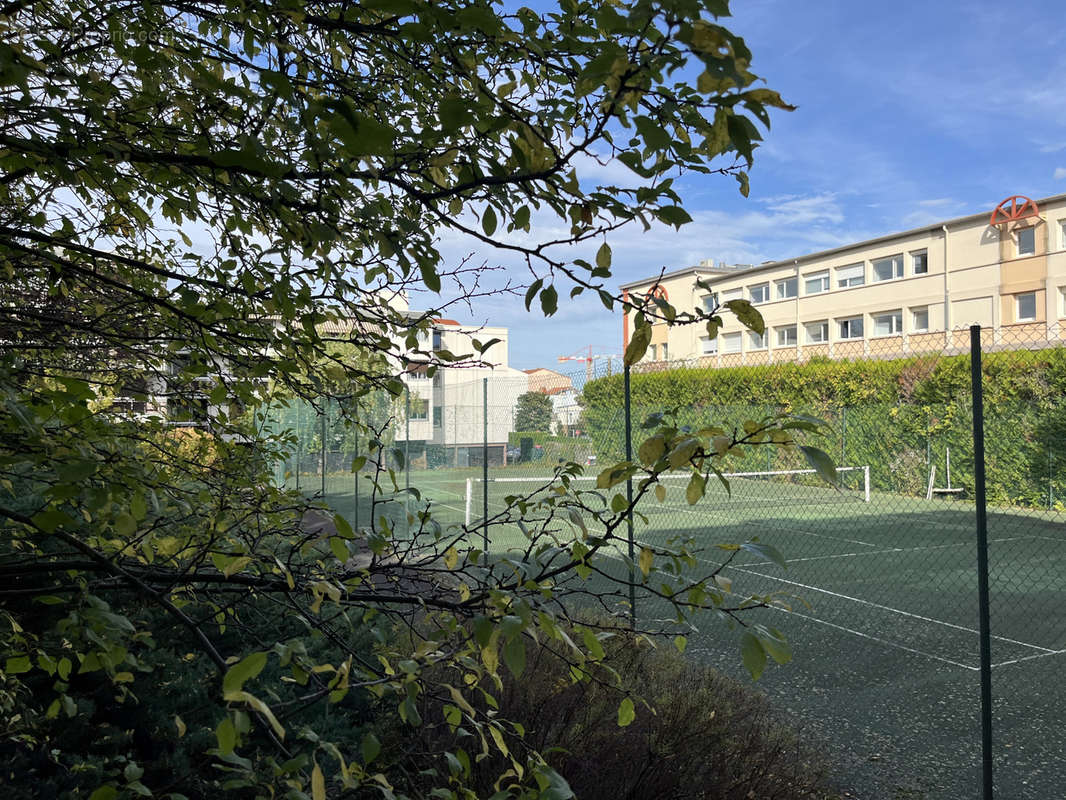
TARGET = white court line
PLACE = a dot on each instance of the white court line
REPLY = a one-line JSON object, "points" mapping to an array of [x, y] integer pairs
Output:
{"points": [[1027, 658], [879, 640], [893, 610], [921, 549]]}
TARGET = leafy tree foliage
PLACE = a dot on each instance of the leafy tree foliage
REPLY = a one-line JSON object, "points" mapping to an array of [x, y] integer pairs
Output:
{"points": [[218, 206], [533, 412]]}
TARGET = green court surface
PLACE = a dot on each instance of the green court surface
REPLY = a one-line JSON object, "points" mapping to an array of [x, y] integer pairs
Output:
{"points": [[884, 619]]}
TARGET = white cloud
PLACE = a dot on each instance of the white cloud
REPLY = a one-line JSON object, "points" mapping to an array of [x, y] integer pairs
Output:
{"points": [[1060, 173]]}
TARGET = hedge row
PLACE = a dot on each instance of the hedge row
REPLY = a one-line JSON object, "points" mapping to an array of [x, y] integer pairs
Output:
{"points": [[898, 416]]}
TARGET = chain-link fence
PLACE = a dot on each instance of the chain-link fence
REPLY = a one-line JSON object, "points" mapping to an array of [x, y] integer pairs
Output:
{"points": [[882, 588]]}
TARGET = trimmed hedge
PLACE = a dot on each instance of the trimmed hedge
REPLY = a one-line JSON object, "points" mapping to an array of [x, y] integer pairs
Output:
{"points": [[897, 416]]}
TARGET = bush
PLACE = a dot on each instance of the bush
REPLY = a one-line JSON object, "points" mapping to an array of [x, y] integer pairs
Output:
{"points": [[897, 416], [705, 736]]}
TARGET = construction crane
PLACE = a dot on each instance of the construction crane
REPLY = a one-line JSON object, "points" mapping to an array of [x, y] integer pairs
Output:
{"points": [[590, 355]]}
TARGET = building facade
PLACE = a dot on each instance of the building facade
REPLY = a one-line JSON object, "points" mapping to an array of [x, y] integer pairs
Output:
{"points": [[914, 291], [453, 413]]}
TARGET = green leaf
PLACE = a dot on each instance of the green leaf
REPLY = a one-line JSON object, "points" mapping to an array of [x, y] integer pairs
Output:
{"points": [[339, 548], [821, 462], [18, 665], [638, 344], [626, 712], [747, 314], [673, 215], [774, 643], [514, 655], [531, 292], [226, 735], [697, 485], [430, 277], [652, 449], [752, 654], [125, 525], [488, 221], [370, 747], [549, 301], [683, 452], [244, 670], [769, 552], [104, 793], [603, 256]]}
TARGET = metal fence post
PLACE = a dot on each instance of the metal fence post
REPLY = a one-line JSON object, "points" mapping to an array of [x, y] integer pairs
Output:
{"points": [[982, 561], [629, 498], [322, 427], [355, 489], [299, 441], [407, 447], [485, 459]]}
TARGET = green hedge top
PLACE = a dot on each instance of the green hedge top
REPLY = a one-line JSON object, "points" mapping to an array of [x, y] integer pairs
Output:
{"points": [[1026, 376]]}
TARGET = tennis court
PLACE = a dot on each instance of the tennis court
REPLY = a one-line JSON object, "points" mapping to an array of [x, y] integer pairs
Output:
{"points": [[884, 619]]}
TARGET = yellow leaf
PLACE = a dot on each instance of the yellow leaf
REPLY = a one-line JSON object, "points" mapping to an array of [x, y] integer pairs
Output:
{"points": [[498, 738], [318, 783], [451, 557], [646, 559], [660, 492], [179, 723]]}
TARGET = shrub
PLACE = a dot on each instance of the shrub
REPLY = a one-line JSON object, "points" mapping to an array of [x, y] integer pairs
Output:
{"points": [[701, 735]]}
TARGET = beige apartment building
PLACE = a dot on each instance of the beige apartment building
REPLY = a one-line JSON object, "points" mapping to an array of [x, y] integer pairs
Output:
{"points": [[909, 292]]}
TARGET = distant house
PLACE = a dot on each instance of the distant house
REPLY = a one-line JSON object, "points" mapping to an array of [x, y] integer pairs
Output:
{"points": [[449, 420]]}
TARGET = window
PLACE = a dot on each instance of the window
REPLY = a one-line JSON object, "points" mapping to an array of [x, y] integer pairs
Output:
{"points": [[653, 352], [419, 407], [756, 341], [920, 319], [437, 414], [885, 269], [888, 323], [709, 346], [731, 343], [850, 328], [666, 351], [786, 336], [787, 288], [1026, 241], [1025, 307], [816, 282], [437, 340], [851, 275], [710, 302], [759, 293], [817, 332], [919, 262], [1062, 234], [1062, 301]]}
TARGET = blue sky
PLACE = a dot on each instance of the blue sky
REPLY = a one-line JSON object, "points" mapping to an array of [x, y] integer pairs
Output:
{"points": [[908, 113]]}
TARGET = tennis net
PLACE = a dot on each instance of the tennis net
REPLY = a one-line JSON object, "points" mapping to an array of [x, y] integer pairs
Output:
{"points": [[745, 490]]}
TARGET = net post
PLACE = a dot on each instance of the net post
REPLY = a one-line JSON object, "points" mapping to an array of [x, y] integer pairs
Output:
{"points": [[866, 482], [982, 561], [469, 500], [629, 499]]}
